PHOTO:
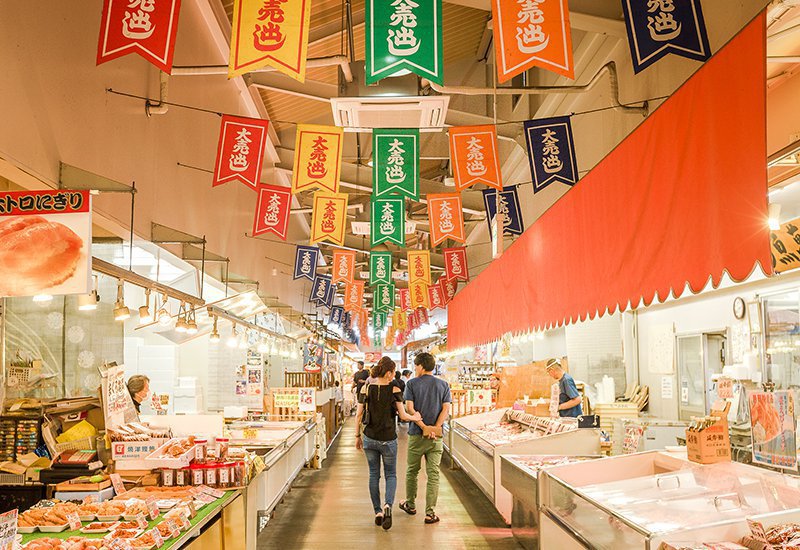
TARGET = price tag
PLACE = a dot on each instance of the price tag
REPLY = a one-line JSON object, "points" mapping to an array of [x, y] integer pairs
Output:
{"points": [[152, 507], [185, 523], [173, 528], [8, 528], [725, 388], [119, 486], [205, 498], [74, 521], [250, 433], [216, 493], [140, 519], [118, 544], [191, 508], [157, 537]]}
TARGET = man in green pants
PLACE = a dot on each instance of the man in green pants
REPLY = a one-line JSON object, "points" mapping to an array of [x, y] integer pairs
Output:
{"points": [[431, 397]]}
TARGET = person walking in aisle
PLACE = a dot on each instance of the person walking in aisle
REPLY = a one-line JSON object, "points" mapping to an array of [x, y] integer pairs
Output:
{"points": [[378, 404], [360, 377], [430, 397], [569, 400]]}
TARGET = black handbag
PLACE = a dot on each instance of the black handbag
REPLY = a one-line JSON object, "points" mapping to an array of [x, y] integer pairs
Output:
{"points": [[365, 419]]}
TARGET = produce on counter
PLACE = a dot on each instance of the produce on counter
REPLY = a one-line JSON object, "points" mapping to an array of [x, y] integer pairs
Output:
{"points": [[177, 447]]}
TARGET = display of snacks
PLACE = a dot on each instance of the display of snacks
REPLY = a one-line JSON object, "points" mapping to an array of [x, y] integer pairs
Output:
{"points": [[110, 510], [537, 462], [72, 543], [782, 535], [175, 453], [123, 534], [127, 525], [167, 503], [88, 511], [145, 540], [54, 516], [137, 431], [165, 528], [99, 527], [134, 508]]}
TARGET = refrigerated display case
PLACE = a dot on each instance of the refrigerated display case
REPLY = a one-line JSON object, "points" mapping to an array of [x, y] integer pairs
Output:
{"points": [[478, 442], [648, 498]]}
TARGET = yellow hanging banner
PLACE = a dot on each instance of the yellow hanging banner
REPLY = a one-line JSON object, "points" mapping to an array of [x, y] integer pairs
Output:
{"points": [[329, 217], [419, 266], [419, 294], [270, 32], [317, 157]]}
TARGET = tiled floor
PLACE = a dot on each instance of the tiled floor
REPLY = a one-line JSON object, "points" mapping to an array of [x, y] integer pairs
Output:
{"points": [[330, 508]]}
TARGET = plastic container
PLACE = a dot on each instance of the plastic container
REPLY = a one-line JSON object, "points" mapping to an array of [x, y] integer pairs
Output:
{"points": [[167, 477], [224, 475], [200, 450], [211, 474], [238, 474], [222, 447], [198, 475], [183, 477]]}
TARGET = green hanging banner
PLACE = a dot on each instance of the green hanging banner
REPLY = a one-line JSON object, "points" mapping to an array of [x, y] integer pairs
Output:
{"points": [[384, 297], [378, 322], [380, 268], [402, 36], [388, 222], [395, 166]]}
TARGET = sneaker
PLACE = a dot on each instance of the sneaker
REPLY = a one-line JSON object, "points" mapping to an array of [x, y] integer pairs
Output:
{"points": [[379, 519], [387, 518]]}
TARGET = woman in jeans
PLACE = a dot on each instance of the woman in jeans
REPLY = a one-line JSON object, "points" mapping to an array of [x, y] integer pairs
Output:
{"points": [[378, 403]]}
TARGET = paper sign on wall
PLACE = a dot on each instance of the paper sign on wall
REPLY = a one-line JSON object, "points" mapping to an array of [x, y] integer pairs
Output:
{"points": [[307, 400], [725, 388], [286, 400], [666, 387]]}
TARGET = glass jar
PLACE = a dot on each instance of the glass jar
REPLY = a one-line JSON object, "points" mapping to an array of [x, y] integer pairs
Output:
{"points": [[182, 477], [211, 475], [198, 475], [222, 447], [200, 450], [238, 474], [224, 475], [167, 477]]}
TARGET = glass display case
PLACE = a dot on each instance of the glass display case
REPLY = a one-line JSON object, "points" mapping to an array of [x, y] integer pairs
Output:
{"points": [[647, 498], [478, 442]]}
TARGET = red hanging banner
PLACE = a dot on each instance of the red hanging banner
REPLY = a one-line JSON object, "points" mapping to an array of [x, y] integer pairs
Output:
{"points": [[404, 299], [532, 33], [145, 27], [455, 264], [435, 297], [473, 151], [344, 266], [445, 217], [240, 150], [449, 287], [272, 211], [691, 177], [354, 296]]}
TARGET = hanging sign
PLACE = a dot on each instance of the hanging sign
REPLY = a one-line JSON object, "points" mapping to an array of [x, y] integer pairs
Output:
{"points": [[449, 287], [396, 162], [305, 262], [378, 321], [435, 297], [786, 246], [388, 221], [272, 32], [445, 217], [659, 27], [384, 297], [551, 151], [419, 266], [145, 27], [404, 299], [380, 268], [400, 320], [317, 158], [508, 205], [322, 291], [240, 150], [422, 314], [419, 294], [272, 211], [329, 217], [532, 33], [45, 242], [354, 296], [473, 151], [336, 316], [455, 263], [344, 266], [772, 424], [402, 36]]}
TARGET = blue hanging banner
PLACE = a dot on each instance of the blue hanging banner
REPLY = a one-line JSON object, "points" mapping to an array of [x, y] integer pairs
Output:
{"points": [[346, 321], [305, 262], [551, 151], [335, 318], [509, 206], [658, 27], [322, 291]]}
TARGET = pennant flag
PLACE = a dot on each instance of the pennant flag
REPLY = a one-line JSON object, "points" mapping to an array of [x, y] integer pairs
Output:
{"points": [[412, 321], [378, 322], [272, 211], [305, 262], [419, 266], [388, 222], [396, 162], [532, 33], [272, 32], [509, 207], [419, 294], [658, 27], [322, 291], [423, 316], [400, 320], [455, 264], [384, 297], [551, 151], [317, 158], [473, 151], [435, 297], [145, 27], [380, 268], [344, 266], [445, 217], [347, 321], [404, 35], [404, 298], [449, 287], [329, 217], [354, 296], [337, 316], [240, 150]]}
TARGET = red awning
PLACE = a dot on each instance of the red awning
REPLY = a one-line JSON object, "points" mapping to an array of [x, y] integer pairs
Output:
{"points": [[681, 200]]}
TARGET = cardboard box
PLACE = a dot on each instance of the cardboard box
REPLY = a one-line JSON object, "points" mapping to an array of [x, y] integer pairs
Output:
{"points": [[712, 444], [540, 409]]}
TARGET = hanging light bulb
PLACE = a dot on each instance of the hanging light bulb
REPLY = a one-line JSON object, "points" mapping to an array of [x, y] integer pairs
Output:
{"points": [[214, 337], [88, 302], [145, 316], [181, 325], [41, 298], [191, 324], [262, 346], [232, 341], [121, 311], [163, 316]]}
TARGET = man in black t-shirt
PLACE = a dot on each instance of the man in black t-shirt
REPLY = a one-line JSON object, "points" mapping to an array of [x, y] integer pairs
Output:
{"points": [[360, 377]]}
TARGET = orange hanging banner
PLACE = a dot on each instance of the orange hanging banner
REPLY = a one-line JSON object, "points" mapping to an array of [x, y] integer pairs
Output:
{"points": [[344, 266], [354, 296], [532, 33], [270, 32], [419, 266], [419, 294], [329, 217], [473, 151], [446, 218], [317, 158]]}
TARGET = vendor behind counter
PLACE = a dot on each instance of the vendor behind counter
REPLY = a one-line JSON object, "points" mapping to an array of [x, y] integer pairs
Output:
{"points": [[139, 388]]}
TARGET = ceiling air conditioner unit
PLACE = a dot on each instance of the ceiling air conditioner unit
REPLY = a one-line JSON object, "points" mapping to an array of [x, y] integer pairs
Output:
{"points": [[424, 112], [361, 229]]}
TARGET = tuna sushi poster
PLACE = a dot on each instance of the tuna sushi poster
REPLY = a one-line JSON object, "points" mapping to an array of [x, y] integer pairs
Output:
{"points": [[45, 240]]}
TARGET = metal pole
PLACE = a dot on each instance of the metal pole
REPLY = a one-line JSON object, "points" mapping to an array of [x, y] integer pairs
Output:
{"points": [[203, 268], [133, 210]]}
